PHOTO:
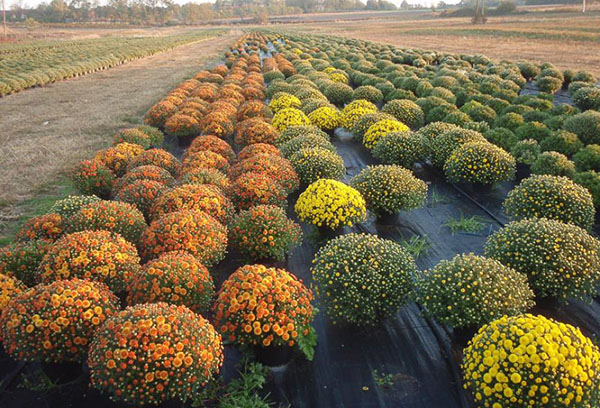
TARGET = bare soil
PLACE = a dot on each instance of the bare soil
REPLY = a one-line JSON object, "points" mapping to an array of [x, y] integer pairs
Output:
{"points": [[46, 131]]}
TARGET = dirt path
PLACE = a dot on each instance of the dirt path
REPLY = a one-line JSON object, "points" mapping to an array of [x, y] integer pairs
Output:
{"points": [[45, 131]]}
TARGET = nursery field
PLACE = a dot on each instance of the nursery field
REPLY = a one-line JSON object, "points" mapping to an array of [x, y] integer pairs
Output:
{"points": [[570, 40], [318, 221], [36, 63], [46, 129]]}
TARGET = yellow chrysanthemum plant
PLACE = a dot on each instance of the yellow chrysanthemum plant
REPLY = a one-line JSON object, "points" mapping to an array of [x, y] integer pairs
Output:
{"points": [[316, 163], [479, 163], [326, 118], [331, 204], [470, 290], [562, 261], [289, 117], [355, 110], [531, 361], [380, 129], [388, 189], [362, 279], [551, 197], [283, 100]]}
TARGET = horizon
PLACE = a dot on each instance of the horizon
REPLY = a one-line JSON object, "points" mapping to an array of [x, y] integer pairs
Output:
{"points": [[29, 4]]}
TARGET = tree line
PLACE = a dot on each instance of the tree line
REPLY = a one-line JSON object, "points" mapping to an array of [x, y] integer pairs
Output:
{"points": [[166, 11]]}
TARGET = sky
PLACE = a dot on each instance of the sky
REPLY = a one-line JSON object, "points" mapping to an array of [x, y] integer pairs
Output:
{"points": [[35, 3]]}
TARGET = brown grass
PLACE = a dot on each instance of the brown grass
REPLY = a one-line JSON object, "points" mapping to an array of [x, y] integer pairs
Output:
{"points": [[45, 131]]}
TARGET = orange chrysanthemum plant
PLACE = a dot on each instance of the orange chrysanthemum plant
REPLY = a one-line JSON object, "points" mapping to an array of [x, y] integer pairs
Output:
{"points": [[206, 198], [252, 189], [56, 322], [175, 277], [95, 255], [47, 227], [114, 216], [189, 230], [154, 352], [277, 167], [262, 307], [264, 232], [93, 177]]}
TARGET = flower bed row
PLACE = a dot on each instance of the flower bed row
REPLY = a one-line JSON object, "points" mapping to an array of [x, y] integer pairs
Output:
{"points": [[177, 216], [532, 258], [42, 62]]}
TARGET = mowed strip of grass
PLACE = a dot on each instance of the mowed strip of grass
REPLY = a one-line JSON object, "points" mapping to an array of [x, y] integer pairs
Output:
{"points": [[538, 35], [46, 131]]}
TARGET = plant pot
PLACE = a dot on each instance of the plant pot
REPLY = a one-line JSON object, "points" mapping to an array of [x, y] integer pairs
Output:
{"points": [[523, 172], [475, 188], [327, 232], [462, 335], [273, 263], [61, 373], [387, 218], [122, 295], [185, 141], [547, 303], [273, 356]]}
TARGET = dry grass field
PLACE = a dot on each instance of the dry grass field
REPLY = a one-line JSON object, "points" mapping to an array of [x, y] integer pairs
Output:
{"points": [[47, 130], [564, 37]]}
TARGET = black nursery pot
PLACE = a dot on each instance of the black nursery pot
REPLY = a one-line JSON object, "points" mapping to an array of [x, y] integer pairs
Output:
{"points": [[462, 335], [523, 172], [185, 141], [475, 188], [326, 232], [387, 218], [547, 303], [273, 356], [61, 373]]}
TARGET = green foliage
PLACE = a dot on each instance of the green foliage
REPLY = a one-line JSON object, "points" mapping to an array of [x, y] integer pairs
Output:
{"points": [[587, 98], [551, 197], [585, 125], [526, 151], [470, 225], [591, 181], [563, 142], [533, 130], [554, 164], [406, 111], [416, 245], [588, 158]]}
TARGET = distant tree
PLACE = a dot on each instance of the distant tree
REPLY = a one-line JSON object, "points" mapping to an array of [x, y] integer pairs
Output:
{"points": [[506, 7], [404, 5], [261, 17]]}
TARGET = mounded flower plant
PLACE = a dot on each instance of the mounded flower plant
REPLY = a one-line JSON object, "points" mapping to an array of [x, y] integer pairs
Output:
{"points": [[388, 189], [186, 353], [56, 322], [192, 231], [529, 360], [562, 261], [174, 277], [100, 256], [362, 279], [472, 290], [551, 197], [479, 163], [262, 307], [331, 204], [264, 232]]}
